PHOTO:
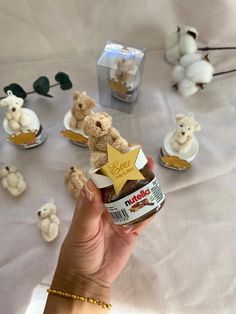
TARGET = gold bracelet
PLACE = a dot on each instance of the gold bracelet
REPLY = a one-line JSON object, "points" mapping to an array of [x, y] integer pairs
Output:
{"points": [[79, 298]]}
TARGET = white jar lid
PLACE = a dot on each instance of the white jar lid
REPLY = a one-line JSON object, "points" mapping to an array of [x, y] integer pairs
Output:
{"points": [[34, 124]]}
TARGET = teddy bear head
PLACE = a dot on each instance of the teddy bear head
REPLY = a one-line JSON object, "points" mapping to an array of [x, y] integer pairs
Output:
{"points": [[47, 210], [6, 170], [125, 69], [74, 171], [12, 102], [186, 126], [98, 124], [82, 102]]}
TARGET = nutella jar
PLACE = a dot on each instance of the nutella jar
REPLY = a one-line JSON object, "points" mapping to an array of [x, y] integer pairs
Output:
{"points": [[137, 200]]}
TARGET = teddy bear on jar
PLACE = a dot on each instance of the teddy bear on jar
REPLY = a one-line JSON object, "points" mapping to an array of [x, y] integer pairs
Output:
{"points": [[98, 127], [82, 105], [48, 221], [17, 119], [12, 180], [183, 134]]}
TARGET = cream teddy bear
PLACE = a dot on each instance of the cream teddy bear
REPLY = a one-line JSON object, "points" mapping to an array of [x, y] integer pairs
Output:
{"points": [[99, 129], [183, 134], [12, 180], [16, 117], [75, 180], [82, 105], [48, 221]]}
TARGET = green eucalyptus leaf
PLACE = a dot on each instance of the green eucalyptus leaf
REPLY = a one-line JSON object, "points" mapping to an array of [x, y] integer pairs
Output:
{"points": [[42, 86], [16, 89], [64, 80]]}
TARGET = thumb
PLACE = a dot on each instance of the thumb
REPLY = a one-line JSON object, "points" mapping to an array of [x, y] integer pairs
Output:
{"points": [[88, 212]]}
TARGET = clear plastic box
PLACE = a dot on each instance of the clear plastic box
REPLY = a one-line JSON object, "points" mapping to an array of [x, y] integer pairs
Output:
{"points": [[119, 70]]}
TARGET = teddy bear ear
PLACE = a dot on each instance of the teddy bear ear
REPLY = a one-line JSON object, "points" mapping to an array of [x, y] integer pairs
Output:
{"points": [[197, 126], [106, 115], [3, 103], [76, 95], [179, 116]]}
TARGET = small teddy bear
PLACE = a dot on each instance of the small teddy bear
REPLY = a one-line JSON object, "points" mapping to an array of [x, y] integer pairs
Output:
{"points": [[82, 105], [125, 70], [48, 221], [16, 117], [180, 43], [183, 134], [12, 180], [75, 180], [98, 127]]}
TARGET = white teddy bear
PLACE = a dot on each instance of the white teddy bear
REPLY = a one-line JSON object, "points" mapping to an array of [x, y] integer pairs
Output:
{"points": [[48, 221], [16, 117], [192, 73], [183, 134], [180, 43], [12, 180]]}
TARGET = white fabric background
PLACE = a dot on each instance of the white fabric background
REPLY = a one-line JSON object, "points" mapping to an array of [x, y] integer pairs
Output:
{"points": [[185, 261]]}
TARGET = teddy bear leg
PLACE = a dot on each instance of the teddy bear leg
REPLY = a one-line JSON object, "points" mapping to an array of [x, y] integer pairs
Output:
{"points": [[21, 186], [14, 125], [73, 122], [52, 232], [185, 147], [98, 159], [80, 124], [175, 146], [14, 191]]}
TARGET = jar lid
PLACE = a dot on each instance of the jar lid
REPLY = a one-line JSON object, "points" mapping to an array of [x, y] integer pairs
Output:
{"points": [[102, 181]]}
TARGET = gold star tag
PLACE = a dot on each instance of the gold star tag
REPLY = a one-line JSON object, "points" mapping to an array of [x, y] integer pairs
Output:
{"points": [[121, 167]]}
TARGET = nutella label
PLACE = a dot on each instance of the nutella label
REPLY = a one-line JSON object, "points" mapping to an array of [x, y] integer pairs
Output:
{"points": [[137, 204]]}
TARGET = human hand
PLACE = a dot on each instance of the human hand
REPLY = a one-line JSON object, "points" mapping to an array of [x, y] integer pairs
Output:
{"points": [[95, 249]]}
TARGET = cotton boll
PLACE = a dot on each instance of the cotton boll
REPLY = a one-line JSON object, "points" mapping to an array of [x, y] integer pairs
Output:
{"points": [[178, 73], [173, 55], [200, 72], [187, 44], [184, 29], [188, 59], [171, 40], [187, 88]]}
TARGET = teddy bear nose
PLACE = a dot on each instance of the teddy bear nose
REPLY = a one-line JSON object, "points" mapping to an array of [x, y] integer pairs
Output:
{"points": [[13, 109], [7, 168], [39, 213], [72, 168], [80, 106], [98, 124], [183, 133]]}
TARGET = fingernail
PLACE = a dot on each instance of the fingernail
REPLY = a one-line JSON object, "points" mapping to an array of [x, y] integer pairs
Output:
{"points": [[89, 194]]}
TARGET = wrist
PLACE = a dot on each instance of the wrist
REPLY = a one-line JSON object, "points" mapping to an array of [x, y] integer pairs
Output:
{"points": [[75, 283]]}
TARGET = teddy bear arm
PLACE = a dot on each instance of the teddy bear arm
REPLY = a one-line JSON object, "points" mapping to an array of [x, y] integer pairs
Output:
{"points": [[115, 134], [98, 159], [24, 119], [14, 191], [175, 146], [14, 125], [55, 219], [73, 121], [4, 183], [8, 116]]}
